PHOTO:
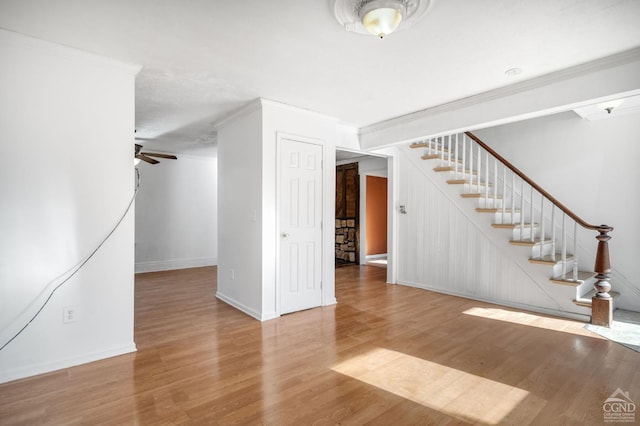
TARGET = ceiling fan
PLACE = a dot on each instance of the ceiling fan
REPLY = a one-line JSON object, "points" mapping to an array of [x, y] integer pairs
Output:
{"points": [[146, 156]]}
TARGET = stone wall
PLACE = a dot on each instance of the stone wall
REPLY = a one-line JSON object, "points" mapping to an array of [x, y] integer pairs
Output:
{"points": [[346, 240]]}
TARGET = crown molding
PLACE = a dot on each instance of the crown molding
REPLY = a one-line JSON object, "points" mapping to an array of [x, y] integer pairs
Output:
{"points": [[12, 38], [246, 109]]}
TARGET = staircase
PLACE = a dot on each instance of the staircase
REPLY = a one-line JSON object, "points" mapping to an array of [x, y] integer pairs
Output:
{"points": [[531, 218]]}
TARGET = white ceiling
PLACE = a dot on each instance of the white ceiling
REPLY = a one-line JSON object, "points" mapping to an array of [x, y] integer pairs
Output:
{"points": [[203, 59]]}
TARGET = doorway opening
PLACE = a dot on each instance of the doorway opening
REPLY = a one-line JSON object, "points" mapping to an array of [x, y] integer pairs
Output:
{"points": [[362, 193]]}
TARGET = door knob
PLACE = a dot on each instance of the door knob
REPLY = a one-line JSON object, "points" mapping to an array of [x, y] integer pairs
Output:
{"points": [[285, 235]]}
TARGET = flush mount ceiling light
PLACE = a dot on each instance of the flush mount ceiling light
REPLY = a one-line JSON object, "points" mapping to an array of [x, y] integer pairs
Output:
{"points": [[379, 17]]}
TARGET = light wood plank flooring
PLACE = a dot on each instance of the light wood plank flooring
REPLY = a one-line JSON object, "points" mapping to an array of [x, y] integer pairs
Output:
{"points": [[387, 355]]}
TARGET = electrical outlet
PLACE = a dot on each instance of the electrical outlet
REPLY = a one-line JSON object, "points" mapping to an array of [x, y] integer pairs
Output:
{"points": [[233, 274], [69, 314]]}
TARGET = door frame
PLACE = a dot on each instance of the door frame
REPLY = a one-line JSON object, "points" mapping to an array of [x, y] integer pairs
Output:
{"points": [[393, 177], [326, 298]]}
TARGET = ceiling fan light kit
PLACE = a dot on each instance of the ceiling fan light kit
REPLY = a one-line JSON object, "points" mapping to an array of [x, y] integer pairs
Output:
{"points": [[379, 17]]}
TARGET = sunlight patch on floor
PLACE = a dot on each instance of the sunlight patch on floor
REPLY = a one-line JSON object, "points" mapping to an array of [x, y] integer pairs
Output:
{"points": [[456, 393], [532, 320]]}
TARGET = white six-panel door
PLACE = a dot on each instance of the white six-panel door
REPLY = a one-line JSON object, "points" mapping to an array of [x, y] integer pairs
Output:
{"points": [[300, 220]]}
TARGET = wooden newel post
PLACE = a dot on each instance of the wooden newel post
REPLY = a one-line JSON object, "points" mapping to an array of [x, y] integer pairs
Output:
{"points": [[602, 303]]}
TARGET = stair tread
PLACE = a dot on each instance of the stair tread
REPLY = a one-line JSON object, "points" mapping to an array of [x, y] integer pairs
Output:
{"points": [[465, 181], [568, 280], [529, 243], [453, 169], [585, 299], [438, 156], [513, 225], [430, 156], [549, 261], [480, 195], [492, 209]]}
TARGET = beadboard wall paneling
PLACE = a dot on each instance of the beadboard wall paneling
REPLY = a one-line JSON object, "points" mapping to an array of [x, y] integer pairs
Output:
{"points": [[446, 246]]}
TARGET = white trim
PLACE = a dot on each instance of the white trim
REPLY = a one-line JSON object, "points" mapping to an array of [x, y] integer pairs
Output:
{"points": [[58, 50], [244, 308], [246, 109], [376, 256], [297, 109], [393, 225], [258, 103], [46, 367], [167, 265]]}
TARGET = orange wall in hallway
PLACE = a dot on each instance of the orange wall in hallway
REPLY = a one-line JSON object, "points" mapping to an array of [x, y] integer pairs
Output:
{"points": [[376, 215]]}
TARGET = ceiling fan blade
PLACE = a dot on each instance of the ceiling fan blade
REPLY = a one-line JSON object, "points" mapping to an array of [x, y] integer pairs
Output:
{"points": [[153, 154], [147, 159]]}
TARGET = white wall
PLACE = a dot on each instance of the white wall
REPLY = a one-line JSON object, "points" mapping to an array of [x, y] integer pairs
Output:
{"points": [[66, 177], [247, 201], [240, 211], [176, 214], [592, 168]]}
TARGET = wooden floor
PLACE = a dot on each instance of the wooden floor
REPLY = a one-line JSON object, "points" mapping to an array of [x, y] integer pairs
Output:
{"points": [[387, 355]]}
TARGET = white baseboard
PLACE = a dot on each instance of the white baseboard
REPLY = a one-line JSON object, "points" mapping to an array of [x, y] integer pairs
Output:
{"points": [[241, 307], [167, 265], [47, 367], [377, 256], [564, 314]]}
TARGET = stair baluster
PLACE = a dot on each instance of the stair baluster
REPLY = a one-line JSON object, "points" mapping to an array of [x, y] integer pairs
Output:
{"points": [[553, 232], [563, 256], [504, 193], [541, 222], [464, 154], [486, 178], [575, 251], [478, 167], [457, 155], [513, 198], [495, 183], [522, 210], [532, 237]]}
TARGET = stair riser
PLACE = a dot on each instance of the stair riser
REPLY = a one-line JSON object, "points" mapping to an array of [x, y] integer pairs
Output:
{"points": [[524, 233], [508, 218], [585, 287], [557, 268], [489, 203]]}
